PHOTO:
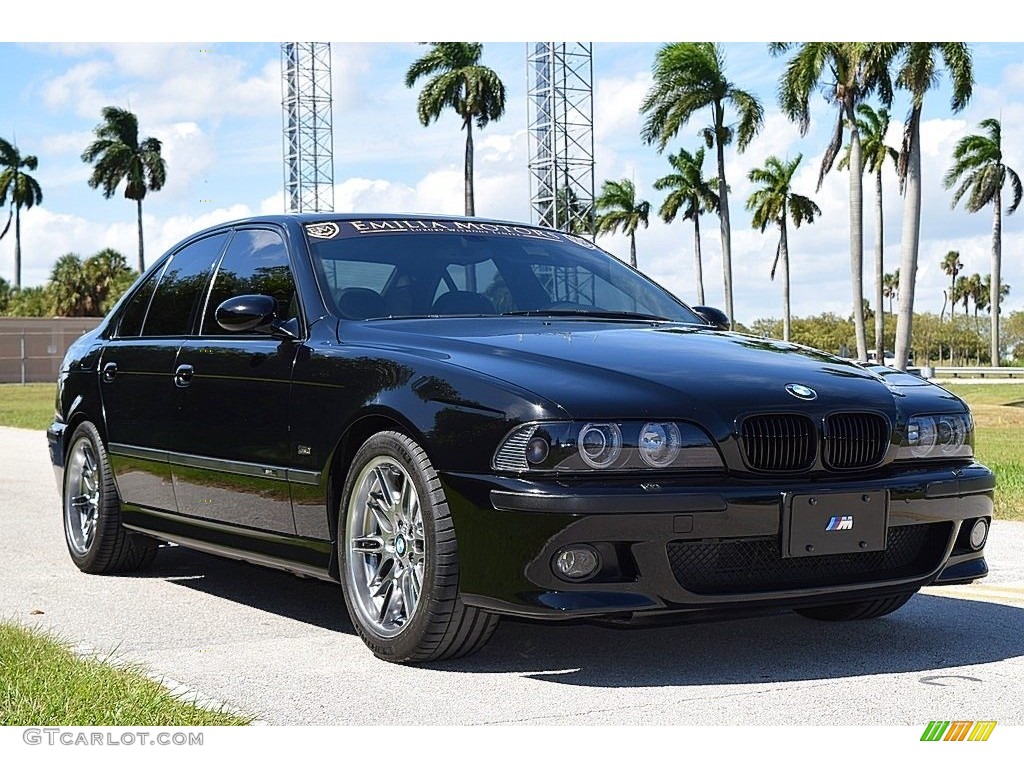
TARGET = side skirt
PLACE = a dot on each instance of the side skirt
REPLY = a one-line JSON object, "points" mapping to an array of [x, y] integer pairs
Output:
{"points": [[303, 557]]}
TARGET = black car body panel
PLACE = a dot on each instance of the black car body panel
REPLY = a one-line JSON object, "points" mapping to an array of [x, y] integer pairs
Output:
{"points": [[239, 444]]}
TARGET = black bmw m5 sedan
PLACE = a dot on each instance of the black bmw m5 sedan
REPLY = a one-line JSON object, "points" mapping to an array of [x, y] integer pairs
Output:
{"points": [[459, 419]]}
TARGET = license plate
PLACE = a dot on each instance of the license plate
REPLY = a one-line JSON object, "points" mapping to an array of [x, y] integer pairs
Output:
{"points": [[817, 524]]}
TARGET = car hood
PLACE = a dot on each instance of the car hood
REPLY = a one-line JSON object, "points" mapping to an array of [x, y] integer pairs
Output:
{"points": [[595, 369]]}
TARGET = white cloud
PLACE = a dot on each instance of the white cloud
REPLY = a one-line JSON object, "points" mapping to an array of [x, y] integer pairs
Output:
{"points": [[64, 143], [617, 107], [166, 82], [190, 155], [77, 87]]}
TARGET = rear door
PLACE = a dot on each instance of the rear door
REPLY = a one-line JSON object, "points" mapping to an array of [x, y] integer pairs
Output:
{"points": [[137, 373]]}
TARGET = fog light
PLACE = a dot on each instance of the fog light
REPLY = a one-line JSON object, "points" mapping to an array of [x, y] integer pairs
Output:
{"points": [[979, 532], [577, 562]]}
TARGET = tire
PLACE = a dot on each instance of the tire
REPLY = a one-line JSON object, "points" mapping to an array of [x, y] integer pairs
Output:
{"points": [[399, 562], [858, 611], [97, 542]]}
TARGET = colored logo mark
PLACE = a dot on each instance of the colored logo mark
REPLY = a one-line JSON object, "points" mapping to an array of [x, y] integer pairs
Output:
{"points": [[958, 730], [801, 392], [840, 523]]}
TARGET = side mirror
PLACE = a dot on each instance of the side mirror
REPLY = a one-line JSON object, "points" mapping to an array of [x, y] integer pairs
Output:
{"points": [[712, 316], [253, 313]]}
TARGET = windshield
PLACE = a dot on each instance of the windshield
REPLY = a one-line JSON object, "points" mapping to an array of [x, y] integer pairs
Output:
{"points": [[390, 268]]}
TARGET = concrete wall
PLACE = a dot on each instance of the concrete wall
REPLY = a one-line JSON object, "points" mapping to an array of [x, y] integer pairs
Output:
{"points": [[31, 348]]}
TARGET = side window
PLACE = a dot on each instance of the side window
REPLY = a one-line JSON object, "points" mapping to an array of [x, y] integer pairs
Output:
{"points": [[134, 312], [170, 312], [256, 262]]}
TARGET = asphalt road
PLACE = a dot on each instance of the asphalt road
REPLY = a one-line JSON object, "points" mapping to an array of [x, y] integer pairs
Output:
{"points": [[283, 649]]}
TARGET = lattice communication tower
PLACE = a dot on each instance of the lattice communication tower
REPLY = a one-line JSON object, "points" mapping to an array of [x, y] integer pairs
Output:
{"points": [[308, 135], [561, 126]]}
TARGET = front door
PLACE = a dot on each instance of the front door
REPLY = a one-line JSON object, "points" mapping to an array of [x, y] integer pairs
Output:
{"points": [[231, 447]]}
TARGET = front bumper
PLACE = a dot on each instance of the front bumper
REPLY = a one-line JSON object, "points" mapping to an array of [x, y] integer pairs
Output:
{"points": [[56, 434], [715, 546]]}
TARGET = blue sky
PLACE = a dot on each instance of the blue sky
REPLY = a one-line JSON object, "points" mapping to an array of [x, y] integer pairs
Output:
{"points": [[216, 107]]}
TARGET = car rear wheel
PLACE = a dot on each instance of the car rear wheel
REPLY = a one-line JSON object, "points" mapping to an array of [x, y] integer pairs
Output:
{"points": [[398, 557], [96, 540], [856, 611]]}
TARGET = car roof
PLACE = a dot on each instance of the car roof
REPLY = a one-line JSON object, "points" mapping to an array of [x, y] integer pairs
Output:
{"points": [[323, 216]]}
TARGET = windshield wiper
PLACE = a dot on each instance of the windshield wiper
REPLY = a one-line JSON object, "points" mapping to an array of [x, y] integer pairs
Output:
{"points": [[598, 313]]}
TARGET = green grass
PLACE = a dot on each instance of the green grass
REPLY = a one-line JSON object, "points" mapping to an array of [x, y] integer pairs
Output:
{"points": [[43, 683], [29, 406], [999, 437]]}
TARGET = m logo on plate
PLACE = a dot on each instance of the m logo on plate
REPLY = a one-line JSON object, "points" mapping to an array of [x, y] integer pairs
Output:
{"points": [[840, 523]]}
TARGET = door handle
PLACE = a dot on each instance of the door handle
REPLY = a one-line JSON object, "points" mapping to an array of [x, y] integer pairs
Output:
{"points": [[109, 372], [183, 376]]}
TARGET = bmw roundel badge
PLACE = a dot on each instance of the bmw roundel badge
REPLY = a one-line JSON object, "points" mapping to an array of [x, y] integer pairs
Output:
{"points": [[801, 392]]}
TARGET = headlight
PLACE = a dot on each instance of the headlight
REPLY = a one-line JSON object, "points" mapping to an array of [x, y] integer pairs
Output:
{"points": [[600, 445], [569, 446], [659, 443], [938, 436]]}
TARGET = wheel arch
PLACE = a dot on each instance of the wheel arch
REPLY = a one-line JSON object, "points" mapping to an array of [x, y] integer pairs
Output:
{"points": [[362, 428]]}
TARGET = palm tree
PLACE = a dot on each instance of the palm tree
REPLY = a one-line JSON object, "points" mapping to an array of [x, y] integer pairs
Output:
{"points": [[848, 72], [24, 192], [873, 126], [980, 172], [975, 289], [987, 303], [773, 203], [119, 156], [690, 77], [692, 194], [618, 208], [917, 72], [963, 289], [460, 82], [891, 287], [952, 266]]}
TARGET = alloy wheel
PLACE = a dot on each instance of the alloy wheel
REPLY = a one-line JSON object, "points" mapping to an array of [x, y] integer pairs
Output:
{"points": [[386, 546]]}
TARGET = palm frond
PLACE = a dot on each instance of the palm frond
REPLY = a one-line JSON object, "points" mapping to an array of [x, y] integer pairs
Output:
{"points": [[1016, 190]]}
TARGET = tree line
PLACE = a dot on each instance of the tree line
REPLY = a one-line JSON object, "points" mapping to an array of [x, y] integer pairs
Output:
{"points": [[77, 288], [958, 340]]}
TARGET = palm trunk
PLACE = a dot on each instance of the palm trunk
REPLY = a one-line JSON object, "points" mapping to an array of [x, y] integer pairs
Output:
{"points": [[910, 242], [142, 259], [857, 235], [470, 206], [17, 246], [997, 252], [879, 271], [699, 266], [632, 249], [723, 217], [784, 252]]}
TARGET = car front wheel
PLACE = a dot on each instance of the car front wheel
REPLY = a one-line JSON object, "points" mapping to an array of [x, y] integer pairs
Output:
{"points": [[398, 557], [96, 540]]}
